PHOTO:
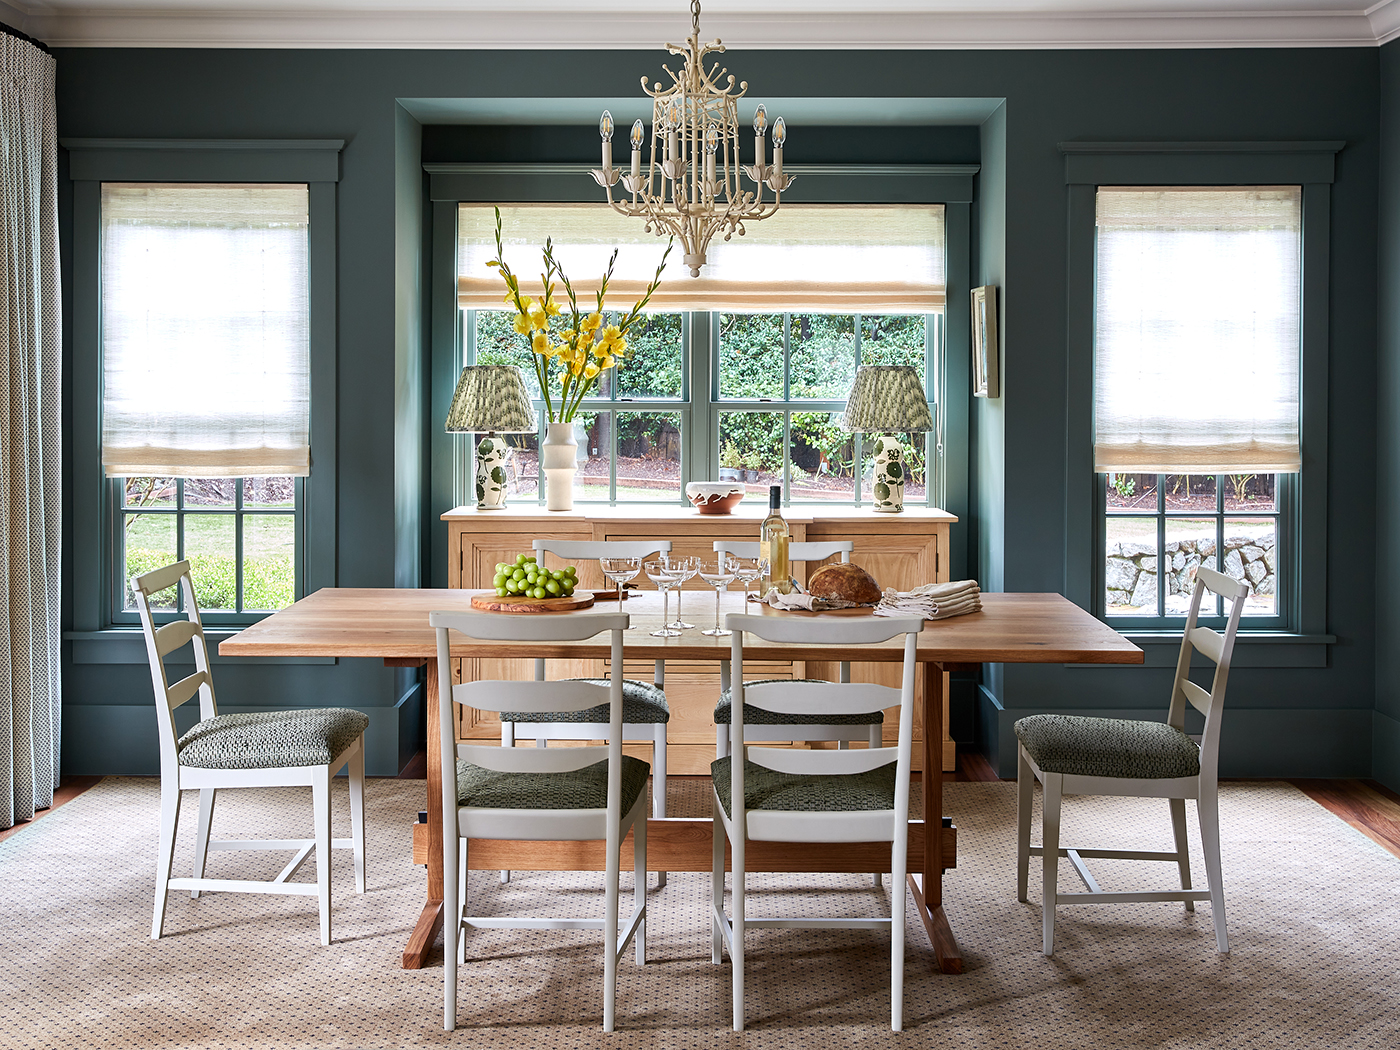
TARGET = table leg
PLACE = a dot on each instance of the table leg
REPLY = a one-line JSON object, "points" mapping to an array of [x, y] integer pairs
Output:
{"points": [[928, 890], [425, 931]]}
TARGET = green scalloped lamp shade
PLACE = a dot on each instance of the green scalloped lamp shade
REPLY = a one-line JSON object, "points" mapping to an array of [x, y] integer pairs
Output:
{"points": [[887, 399], [491, 399]]}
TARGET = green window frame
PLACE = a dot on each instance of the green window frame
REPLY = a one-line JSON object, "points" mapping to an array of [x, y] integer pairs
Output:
{"points": [[97, 504], [1300, 498]]}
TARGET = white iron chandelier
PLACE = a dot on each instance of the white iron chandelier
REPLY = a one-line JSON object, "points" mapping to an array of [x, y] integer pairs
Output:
{"points": [[691, 186]]}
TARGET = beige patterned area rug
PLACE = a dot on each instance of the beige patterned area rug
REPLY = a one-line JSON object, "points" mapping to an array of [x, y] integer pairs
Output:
{"points": [[1314, 912]]}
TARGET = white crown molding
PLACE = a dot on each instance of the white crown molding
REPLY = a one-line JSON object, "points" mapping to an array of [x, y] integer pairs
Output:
{"points": [[15, 17], [1385, 20], [563, 25], [226, 25]]}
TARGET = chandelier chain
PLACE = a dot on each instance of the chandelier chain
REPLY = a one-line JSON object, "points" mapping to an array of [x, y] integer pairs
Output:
{"points": [[695, 17]]}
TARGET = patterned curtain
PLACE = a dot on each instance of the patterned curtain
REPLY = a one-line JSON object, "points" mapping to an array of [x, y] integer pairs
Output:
{"points": [[30, 439]]}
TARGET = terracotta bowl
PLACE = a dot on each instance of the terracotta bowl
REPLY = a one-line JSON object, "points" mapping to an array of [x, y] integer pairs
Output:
{"points": [[714, 497]]}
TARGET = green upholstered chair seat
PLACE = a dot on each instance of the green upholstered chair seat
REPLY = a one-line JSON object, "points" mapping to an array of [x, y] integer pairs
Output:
{"points": [[804, 793], [757, 716], [1108, 747], [643, 703], [271, 739], [585, 788]]}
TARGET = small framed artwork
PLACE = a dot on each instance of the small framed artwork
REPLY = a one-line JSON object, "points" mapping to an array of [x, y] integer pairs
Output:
{"points": [[985, 351]]}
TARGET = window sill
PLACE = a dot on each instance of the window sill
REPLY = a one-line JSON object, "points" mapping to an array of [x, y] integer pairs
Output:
{"points": [[127, 645], [1252, 649]]}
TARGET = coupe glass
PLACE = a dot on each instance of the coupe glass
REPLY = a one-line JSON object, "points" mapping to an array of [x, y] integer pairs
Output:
{"points": [[620, 571], [719, 576], [747, 572], [665, 576], [687, 567]]}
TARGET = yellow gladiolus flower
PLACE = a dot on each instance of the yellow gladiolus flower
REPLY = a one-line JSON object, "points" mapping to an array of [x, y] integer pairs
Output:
{"points": [[592, 322], [551, 307], [522, 324], [620, 348], [590, 370], [606, 361], [538, 319], [540, 344]]}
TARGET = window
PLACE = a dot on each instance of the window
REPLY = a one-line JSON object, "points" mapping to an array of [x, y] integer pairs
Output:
{"points": [[713, 388], [206, 386], [1197, 353], [782, 381]]}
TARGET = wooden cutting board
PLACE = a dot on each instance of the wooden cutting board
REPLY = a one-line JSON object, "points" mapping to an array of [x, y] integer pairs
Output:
{"points": [[487, 601]]}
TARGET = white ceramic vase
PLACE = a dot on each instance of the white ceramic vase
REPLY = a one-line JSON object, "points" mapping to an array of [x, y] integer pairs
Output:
{"points": [[559, 455], [888, 482]]}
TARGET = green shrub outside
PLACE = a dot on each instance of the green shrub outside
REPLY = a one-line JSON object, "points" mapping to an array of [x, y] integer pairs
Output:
{"points": [[268, 582]]}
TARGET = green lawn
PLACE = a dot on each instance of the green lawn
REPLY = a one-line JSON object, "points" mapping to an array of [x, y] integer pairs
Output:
{"points": [[269, 556]]}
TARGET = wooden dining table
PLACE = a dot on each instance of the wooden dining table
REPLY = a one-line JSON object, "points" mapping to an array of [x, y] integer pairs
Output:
{"points": [[392, 624]]}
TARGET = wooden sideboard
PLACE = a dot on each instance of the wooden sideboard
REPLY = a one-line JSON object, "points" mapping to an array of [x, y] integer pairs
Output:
{"points": [[899, 550]]}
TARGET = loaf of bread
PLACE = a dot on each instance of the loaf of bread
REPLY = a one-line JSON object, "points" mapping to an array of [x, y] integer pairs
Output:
{"points": [[846, 582]]}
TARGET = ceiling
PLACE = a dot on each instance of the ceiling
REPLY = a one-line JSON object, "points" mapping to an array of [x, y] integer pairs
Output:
{"points": [[645, 24]]}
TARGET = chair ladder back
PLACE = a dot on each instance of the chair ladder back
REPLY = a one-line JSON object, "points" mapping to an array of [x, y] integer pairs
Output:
{"points": [[601, 548], [802, 550], [1217, 648], [535, 697], [164, 640], [821, 698], [840, 761], [1208, 643]]}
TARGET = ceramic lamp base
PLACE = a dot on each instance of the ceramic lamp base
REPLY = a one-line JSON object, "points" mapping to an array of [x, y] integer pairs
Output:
{"points": [[491, 454], [888, 483]]}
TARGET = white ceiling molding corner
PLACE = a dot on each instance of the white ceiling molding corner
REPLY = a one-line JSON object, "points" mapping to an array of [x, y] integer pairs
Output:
{"points": [[1385, 20], [15, 18], [633, 24]]}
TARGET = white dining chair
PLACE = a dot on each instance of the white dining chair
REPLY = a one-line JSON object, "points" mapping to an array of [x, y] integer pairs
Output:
{"points": [[1078, 755], [765, 726], [768, 727], [781, 795], [645, 710], [259, 749], [573, 794]]}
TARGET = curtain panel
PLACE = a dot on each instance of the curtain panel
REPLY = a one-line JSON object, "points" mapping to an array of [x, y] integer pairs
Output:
{"points": [[30, 435], [1197, 330], [829, 258]]}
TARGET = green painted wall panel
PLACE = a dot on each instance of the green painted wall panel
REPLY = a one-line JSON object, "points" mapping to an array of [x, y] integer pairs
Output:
{"points": [[1019, 487]]}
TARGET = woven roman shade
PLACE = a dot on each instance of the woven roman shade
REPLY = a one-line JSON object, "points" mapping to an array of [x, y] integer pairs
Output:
{"points": [[1197, 330], [831, 258], [205, 330]]}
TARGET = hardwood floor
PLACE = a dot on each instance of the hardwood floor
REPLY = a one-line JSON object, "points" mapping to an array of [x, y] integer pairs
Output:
{"points": [[1369, 807]]}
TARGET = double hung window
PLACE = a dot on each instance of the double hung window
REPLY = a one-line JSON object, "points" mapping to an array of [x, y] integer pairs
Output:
{"points": [[740, 374], [1197, 355], [205, 336]]}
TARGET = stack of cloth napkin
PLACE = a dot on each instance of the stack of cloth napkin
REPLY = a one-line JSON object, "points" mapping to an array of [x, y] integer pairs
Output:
{"points": [[932, 601]]}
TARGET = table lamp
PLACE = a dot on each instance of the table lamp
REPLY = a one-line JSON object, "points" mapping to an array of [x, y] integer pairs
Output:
{"points": [[491, 400], [885, 400]]}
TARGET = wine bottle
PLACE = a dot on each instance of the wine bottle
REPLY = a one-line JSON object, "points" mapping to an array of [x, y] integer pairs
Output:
{"points": [[773, 546]]}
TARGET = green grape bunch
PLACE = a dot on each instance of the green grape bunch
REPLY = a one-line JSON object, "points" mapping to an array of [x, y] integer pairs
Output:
{"points": [[526, 578]]}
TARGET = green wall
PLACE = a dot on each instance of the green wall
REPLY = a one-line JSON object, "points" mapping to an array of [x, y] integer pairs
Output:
{"points": [[1386, 720], [1283, 721]]}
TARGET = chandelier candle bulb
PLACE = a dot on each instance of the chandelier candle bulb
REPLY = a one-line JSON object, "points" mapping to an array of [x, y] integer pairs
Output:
{"points": [[779, 137], [638, 134], [760, 134], [605, 129]]}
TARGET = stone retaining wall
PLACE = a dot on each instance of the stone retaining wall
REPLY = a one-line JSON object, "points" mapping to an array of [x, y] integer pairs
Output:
{"points": [[1132, 566]]}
